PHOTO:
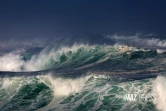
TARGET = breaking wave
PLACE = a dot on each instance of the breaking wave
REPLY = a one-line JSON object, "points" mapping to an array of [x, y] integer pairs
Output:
{"points": [[160, 91], [139, 41], [85, 77], [75, 57]]}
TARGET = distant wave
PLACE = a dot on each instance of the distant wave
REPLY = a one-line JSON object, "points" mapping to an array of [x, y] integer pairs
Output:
{"points": [[138, 41]]}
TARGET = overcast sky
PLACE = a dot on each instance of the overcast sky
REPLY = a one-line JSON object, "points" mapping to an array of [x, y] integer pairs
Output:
{"points": [[79, 18]]}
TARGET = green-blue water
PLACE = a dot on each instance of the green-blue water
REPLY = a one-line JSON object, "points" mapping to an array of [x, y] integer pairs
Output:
{"points": [[82, 78]]}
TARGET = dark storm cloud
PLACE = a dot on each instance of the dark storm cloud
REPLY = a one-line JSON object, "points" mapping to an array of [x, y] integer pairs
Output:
{"points": [[80, 18]]}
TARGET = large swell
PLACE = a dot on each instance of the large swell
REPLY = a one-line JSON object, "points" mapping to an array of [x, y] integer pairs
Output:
{"points": [[82, 78], [93, 92], [82, 57]]}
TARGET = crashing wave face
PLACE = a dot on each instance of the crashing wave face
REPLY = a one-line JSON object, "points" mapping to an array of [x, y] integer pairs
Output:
{"points": [[79, 57], [92, 92]]}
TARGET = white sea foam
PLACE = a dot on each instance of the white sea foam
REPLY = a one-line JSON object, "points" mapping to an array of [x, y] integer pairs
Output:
{"points": [[159, 51], [136, 40], [64, 87], [11, 62], [160, 92]]}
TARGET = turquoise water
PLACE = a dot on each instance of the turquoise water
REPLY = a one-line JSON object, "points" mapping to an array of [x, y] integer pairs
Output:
{"points": [[99, 93], [83, 78]]}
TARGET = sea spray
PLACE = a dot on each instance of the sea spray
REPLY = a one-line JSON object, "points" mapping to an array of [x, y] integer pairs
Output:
{"points": [[160, 92], [11, 62], [66, 86]]}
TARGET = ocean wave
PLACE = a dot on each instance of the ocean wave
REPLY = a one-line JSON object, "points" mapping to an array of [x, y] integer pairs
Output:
{"points": [[82, 76], [138, 41], [77, 57]]}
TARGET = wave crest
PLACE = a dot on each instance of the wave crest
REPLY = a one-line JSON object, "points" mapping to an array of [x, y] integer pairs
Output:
{"points": [[75, 57], [160, 91]]}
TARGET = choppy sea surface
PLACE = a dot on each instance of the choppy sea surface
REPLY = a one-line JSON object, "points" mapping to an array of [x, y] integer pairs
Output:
{"points": [[83, 78]]}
